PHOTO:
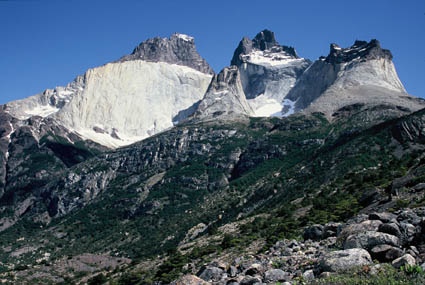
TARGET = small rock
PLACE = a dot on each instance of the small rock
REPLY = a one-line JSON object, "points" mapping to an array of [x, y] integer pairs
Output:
{"points": [[376, 269], [344, 259], [325, 274], [190, 280], [232, 271], [249, 280], [308, 275], [276, 275], [254, 269], [406, 259], [232, 282]]}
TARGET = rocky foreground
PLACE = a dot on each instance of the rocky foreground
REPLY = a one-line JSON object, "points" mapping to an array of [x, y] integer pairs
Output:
{"points": [[370, 242]]}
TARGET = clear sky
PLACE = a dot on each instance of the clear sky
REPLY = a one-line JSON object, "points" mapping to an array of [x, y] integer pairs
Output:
{"points": [[47, 43]]}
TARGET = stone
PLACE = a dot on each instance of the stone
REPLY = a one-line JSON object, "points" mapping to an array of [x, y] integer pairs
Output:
{"points": [[406, 259], [384, 217], [308, 275], [409, 216], [331, 230], [249, 280], [342, 260], [385, 252], [370, 239], [390, 228], [352, 229], [190, 280], [232, 271], [276, 275], [409, 231], [211, 274], [314, 232], [325, 274], [254, 269]]}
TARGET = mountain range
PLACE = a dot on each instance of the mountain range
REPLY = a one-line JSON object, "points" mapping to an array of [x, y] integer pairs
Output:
{"points": [[154, 160]]}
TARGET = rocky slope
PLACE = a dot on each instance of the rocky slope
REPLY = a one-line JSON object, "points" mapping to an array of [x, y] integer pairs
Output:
{"points": [[223, 196]]}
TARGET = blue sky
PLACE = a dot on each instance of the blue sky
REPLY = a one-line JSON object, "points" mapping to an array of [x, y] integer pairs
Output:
{"points": [[47, 43]]}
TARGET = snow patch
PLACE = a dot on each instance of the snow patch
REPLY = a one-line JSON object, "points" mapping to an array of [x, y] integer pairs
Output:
{"points": [[185, 37], [266, 58], [42, 111], [107, 140], [265, 107]]}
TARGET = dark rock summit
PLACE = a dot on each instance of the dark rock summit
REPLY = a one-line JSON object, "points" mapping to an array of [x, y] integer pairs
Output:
{"points": [[360, 49], [263, 41], [178, 49]]}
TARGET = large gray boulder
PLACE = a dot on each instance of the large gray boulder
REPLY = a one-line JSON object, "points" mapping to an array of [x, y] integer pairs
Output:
{"points": [[385, 252], [370, 239], [211, 274], [342, 260], [276, 275]]}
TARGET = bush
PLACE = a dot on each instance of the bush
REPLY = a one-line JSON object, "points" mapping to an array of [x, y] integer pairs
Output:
{"points": [[97, 280]]}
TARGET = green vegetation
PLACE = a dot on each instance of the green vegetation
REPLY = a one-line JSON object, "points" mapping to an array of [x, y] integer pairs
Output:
{"points": [[384, 275]]}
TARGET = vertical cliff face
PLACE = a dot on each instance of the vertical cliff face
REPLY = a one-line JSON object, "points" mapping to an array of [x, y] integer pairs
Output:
{"points": [[268, 72], [128, 100]]}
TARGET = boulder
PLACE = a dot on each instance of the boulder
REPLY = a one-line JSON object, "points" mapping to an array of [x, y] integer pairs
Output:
{"points": [[409, 231], [331, 230], [249, 280], [232, 271], [276, 275], [308, 275], [314, 232], [254, 269], [211, 274], [404, 260], [384, 217], [385, 252], [390, 228], [370, 239], [352, 229], [190, 280], [342, 260], [409, 216]]}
